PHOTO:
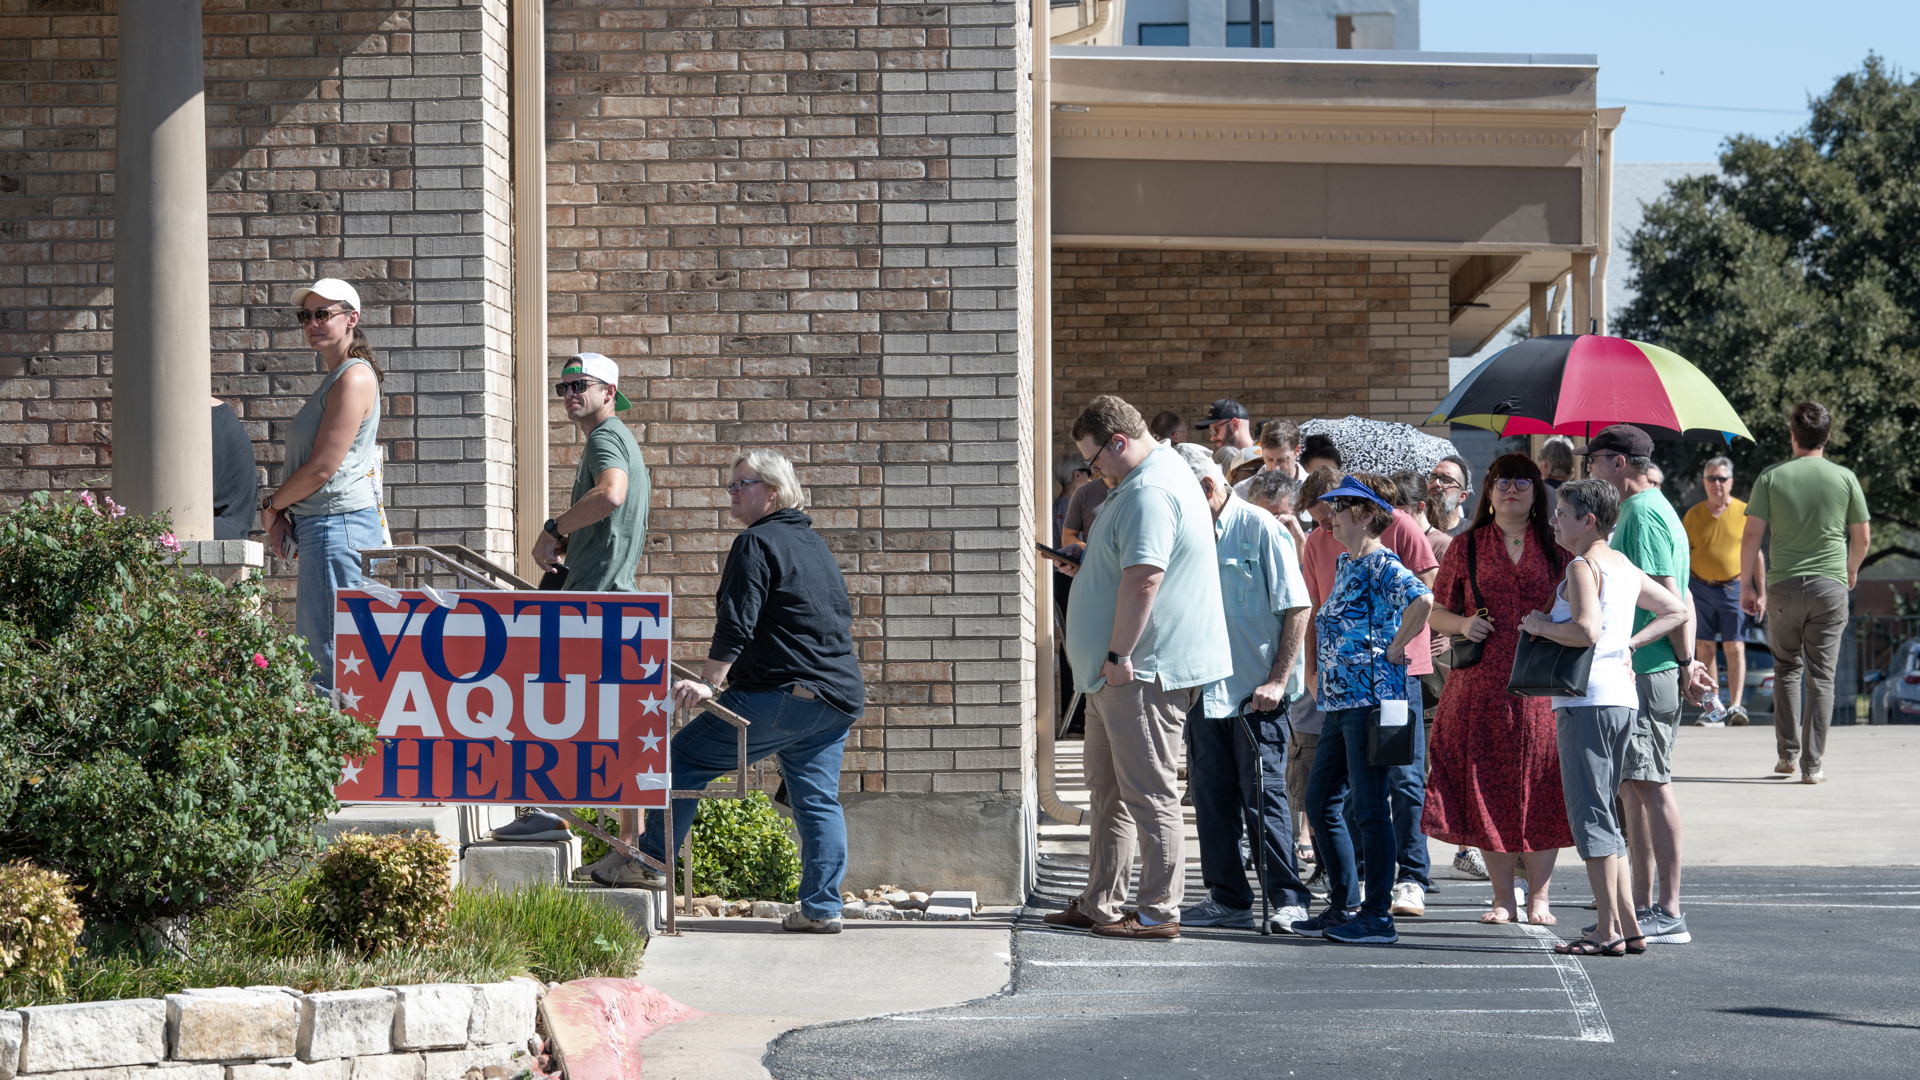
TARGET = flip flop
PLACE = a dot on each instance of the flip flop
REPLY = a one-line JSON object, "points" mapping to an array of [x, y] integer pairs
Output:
{"points": [[1589, 947]]}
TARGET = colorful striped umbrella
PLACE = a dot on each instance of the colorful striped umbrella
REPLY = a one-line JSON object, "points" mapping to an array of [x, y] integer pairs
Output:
{"points": [[1576, 384]]}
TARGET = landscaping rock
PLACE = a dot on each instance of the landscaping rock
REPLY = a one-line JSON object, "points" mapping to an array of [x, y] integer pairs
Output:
{"points": [[946, 906], [9, 1044], [92, 1035], [225, 1024], [432, 1016], [767, 909], [884, 913], [502, 1012], [346, 1023], [853, 909], [897, 899], [595, 1026], [338, 1069], [385, 1067]]}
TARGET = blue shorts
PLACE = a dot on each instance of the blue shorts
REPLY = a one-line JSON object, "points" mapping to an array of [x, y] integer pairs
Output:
{"points": [[1716, 610]]}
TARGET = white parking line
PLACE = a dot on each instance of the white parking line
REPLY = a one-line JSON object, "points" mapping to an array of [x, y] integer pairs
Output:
{"points": [[1573, 976]]}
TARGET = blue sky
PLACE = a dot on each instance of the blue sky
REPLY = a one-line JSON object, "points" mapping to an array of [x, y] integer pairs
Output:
{"points": [[1751, 55]]}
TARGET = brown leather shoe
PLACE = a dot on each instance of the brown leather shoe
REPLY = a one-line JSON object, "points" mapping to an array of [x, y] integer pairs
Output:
{"points": [[1132, 927], [1072, 918]]}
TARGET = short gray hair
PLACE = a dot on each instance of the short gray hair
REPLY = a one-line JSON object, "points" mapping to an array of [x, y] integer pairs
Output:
{"points": [[1202, 463], [1065, 466], [1596, 497], [1639, 466], [1273, 487], [777, 473], [1711, 462]]}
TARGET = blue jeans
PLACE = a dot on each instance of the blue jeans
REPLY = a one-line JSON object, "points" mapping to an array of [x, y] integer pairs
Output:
{"points": [[1226, 794], [807, 734], [329, 558], [1343, 788], [1407, 791]]}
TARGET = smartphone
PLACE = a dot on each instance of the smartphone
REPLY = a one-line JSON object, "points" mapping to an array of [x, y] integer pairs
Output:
{"points": [[1057, 553]]}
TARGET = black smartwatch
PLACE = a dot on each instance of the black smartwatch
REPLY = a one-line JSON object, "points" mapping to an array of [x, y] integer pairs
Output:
{"points": [[1116, 658], [552, 528]]}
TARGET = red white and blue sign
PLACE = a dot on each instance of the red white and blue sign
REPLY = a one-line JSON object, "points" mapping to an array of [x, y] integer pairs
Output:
{"points": [[524, 698]]}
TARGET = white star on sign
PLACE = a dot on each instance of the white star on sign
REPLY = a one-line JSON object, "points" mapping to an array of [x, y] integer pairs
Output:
{"points": [[351, 663], [650, 667], [650, 742], [653, 705], [349, 772], [352, 699]]}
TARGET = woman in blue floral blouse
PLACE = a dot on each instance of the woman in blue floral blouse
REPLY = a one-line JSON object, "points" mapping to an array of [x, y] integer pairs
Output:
{"points": [[1375, 608]]}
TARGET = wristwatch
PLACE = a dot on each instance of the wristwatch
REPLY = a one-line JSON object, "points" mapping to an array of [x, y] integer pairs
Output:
{"points": [[552, 528], [1116, 658], [267, 503]]}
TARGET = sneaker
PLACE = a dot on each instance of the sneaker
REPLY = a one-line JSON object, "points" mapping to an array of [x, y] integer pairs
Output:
{"points": [[1212, 912], [1408, 899], [1321, 923], [1470, 864], [1072, 918], [1368, 930], [1664, 928], [1130, 926], [1643, 916], [536, 825], [1737, 716], [631, 874], [1784, 767], [1281, 922], [1817, 776], [796, 922], [607, 863]]}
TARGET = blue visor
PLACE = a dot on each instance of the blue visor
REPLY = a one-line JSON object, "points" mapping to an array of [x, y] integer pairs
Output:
{"points": [[1354, 489]]}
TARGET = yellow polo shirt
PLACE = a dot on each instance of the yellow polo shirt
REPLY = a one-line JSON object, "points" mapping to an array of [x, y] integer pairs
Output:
{"points": [[1716, 540]]}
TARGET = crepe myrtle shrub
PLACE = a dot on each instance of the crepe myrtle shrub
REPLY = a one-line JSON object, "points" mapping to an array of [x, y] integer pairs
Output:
{"points": [[161, 742], [375, 892]]}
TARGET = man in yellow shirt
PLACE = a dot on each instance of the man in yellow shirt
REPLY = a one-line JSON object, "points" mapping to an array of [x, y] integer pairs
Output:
{"points": [[1714, 529]]}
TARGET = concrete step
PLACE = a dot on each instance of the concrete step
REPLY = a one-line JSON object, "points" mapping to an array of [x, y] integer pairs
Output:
{"points": [[511, 864]]}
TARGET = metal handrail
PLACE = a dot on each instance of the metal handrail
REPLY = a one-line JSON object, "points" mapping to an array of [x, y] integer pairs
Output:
{"points": [[477, 574]]}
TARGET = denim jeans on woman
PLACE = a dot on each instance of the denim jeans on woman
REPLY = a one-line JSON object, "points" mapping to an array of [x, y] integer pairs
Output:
{"points": [[329, 560], [807, 735], [1344, 789]]}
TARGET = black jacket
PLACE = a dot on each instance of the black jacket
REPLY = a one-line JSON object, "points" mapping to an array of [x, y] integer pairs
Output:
{"points": [[236, 483], [782, 616]]}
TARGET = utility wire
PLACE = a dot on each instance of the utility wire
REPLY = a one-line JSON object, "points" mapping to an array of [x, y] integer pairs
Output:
{"points": [[1710, 108]]}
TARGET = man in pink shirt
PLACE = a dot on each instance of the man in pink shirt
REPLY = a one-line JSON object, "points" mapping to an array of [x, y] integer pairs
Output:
{"points": [[1406, 784]]}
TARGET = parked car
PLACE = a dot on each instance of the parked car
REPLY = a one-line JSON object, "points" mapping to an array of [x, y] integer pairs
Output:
{"points": [[1894, 697], [1759, 697]]}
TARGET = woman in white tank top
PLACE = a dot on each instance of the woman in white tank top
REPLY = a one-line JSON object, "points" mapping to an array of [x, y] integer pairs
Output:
{"points": [[1594, 608]]}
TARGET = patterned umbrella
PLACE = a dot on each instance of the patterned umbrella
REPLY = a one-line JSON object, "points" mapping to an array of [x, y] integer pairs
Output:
{"points": [[1576, 384], [1381, 446]]}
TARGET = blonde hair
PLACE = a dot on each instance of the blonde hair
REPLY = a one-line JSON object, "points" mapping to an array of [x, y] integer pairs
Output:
{"points": [[777, 473]]}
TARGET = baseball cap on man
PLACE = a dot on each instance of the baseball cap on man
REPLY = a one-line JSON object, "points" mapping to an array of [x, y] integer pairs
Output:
{"points": [[593, 365], [330, 288], [1620, 439], [1223, 410]]}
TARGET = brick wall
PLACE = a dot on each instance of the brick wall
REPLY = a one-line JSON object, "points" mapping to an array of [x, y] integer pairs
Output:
{"points": [[797, 226], [1289, 335], [345, 139]]}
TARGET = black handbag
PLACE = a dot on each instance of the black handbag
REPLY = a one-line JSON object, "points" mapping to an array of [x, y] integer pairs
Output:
{"points": [[1465, 651], [1388, 747], [1545, 668]]}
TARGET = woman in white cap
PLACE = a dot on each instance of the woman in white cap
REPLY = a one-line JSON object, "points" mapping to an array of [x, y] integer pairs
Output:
{"points": [[328, 502]]}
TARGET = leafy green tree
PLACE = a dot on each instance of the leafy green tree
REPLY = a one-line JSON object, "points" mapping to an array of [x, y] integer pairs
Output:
{"points": [[1795, 276]]}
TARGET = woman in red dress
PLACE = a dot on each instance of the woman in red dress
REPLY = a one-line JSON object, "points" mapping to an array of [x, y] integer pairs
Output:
{"points": [[1494, 782]]}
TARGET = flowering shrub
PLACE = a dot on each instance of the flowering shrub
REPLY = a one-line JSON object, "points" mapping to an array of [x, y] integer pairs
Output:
{"points": [[160, 739], [373, 893], [39, 925], [741, 848]]}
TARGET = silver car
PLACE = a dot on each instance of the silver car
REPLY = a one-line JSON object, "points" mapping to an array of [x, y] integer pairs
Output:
{"points": [[1895, 697]]}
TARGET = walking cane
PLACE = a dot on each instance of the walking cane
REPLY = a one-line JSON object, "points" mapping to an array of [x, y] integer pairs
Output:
{"points": [[1259, 815]]}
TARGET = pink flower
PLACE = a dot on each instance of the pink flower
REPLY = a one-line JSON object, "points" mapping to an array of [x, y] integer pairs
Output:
{"points": [[115, 509], [86, 500], [259, 661], [168, 541]]}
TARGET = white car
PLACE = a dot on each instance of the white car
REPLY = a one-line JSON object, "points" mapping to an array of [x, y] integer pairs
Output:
{"points": [[1895, 697]]}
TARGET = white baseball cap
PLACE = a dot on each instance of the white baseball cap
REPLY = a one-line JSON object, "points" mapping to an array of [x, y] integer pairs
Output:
{"points": [[331, 289], [599, 367]]}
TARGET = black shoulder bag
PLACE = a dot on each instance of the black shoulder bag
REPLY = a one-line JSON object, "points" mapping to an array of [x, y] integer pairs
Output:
{"points": [[1466, 651], [1545, 668], [1387, 747]]}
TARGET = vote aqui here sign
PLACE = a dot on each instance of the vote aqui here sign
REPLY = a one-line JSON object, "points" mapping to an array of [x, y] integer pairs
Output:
{"points": [[545, 698]]}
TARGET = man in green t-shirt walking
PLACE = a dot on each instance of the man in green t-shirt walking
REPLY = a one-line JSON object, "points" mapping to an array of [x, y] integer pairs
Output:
{"points": [[1820, 533], [1651, 536]]}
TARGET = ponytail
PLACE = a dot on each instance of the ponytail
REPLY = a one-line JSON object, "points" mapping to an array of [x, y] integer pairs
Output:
{"points": [[362, 349]]}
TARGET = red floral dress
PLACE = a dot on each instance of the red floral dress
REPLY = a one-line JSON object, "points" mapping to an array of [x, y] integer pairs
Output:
{"points": [[1494, 781]]}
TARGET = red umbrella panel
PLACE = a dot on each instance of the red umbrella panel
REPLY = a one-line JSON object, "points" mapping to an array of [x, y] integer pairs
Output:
{"points": [[1576, 384]]}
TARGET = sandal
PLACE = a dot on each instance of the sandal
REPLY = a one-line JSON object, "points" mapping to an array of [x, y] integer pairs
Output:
{"points": [[1589, 947], [1304, 853], [1636, 950]]}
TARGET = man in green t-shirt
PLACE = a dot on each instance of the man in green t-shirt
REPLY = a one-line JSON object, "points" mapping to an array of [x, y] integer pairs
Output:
{"points": [[1819, 518], [1651, 536]]}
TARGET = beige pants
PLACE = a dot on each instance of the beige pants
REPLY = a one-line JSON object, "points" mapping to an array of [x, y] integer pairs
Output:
{"points": [[1132, 752], [1806, 620]]}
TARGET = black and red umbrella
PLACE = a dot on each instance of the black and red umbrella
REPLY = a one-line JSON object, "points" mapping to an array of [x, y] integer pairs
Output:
{"points": [[1576, 384]]}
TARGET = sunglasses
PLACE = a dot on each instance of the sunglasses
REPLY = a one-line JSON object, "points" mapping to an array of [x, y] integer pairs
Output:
{"points": [[1719, 479], [578, 386], [303, 316]]}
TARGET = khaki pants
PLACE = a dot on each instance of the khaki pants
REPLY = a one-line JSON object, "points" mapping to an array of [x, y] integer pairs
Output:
{"points": [[1132, 752], [1806, 617]]}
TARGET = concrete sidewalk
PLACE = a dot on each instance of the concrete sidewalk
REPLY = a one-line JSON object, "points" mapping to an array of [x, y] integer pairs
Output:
{"points": [[756, 981]]}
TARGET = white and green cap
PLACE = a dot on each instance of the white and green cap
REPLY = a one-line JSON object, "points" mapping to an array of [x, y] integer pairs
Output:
{"points": [[596, 366]]}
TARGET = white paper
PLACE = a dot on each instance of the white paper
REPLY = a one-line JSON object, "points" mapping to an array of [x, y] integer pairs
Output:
{"points": [[1393, 714]]}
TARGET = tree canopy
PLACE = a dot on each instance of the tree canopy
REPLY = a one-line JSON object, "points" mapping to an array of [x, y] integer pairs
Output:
{"points": [[1795, 276]]}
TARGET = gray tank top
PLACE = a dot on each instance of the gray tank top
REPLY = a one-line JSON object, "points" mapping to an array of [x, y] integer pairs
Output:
{"points": [[350, 487]]}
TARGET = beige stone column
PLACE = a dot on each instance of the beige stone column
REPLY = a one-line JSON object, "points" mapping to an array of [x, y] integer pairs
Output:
{"points": [[1537, 308], [162, 427], [530, 373], [1582, 287]]}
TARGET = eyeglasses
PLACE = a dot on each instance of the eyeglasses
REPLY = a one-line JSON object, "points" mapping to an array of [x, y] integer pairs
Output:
{"points": [[1719, 479], [578, 386], [1444, 480], [1519, 483], [739, 486], [303, 316], [1351, 503]]}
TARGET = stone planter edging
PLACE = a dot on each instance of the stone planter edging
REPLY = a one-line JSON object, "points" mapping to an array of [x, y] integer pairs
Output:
{"points": [[438, 1031]]}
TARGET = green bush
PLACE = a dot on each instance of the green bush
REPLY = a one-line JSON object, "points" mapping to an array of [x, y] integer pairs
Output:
{"points": [[741, 851], [39, 925], [160, 739], [373, 893]]}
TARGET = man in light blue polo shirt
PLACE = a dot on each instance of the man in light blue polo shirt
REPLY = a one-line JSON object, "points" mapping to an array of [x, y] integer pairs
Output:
{"points": [[1237, 764], [1145, 634]]}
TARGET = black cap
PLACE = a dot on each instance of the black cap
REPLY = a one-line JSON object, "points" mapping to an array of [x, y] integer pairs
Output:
{"points": [[1620, 439], [1224, 409]]}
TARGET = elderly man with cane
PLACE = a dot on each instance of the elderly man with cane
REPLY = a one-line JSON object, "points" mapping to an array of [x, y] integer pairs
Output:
{"points": [[1237, 734]]}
